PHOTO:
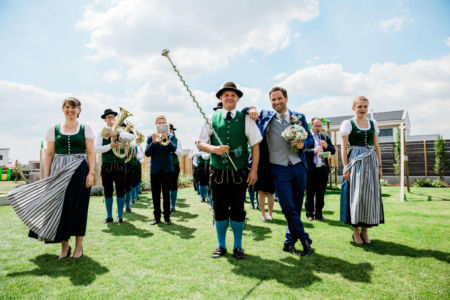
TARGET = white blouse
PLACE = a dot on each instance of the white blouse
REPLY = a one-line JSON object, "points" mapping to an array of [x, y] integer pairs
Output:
{"points": [[88, 133], [346, 127]]}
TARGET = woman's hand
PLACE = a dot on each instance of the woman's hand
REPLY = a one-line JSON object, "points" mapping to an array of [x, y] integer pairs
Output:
{"points": [[347, 176], [380, 173], [298, 144], [89, 180]]}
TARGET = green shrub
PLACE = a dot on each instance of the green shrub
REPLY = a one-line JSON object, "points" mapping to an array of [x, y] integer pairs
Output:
{"points": [[438, 183], [184, 181], [145, 185], [425, 182], [384, 182]]}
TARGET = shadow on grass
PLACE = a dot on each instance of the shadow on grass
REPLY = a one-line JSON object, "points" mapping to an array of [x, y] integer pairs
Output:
{"points": [[125, 229], [259, 233], [429, 197], [181, 203], [141, 203], [182, 216], [299, 272], [327, 212], [80, 272], [183, 232], [389, 248], [133, 216]]}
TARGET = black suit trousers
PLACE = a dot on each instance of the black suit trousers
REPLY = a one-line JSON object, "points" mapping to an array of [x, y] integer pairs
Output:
{"points": [[161, 181], [315, 187]]}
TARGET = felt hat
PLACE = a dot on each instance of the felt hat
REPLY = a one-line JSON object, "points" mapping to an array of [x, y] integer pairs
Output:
{"points": [[109, 111], [229, 86]]}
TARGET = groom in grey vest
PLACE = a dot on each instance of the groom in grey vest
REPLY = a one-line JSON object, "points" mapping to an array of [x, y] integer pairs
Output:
{"points": [[288, 168]]}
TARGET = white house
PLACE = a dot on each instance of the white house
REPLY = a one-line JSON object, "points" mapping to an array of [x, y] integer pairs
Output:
{"points": [[4, 156]]}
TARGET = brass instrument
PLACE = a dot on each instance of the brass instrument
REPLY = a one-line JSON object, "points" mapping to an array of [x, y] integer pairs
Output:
{"points": [[163, 140], [124, 145], [131, 150]]}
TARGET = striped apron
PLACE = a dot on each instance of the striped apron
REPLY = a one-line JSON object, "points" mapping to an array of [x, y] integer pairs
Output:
{"points": [[366, 206], [39, 204]]}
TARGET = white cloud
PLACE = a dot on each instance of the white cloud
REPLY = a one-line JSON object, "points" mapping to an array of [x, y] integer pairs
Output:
{"points": [[447, 41], [422, 87], [202, 37], [280, 76], [392, 25], [112, 75]]}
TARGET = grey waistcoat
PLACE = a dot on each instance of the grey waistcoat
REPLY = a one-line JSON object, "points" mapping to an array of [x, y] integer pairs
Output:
{"points": [[280, 150]]}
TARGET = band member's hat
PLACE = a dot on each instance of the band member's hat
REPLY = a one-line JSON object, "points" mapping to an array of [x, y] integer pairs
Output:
{"points": [[219, 106], [229, 86], [109, 111], [172, 128]]}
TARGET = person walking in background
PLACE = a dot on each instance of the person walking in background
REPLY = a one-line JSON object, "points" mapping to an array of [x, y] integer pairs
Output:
{"points": [[176, 170], [113, 167], [361, 204], [160, 148], [318, 170]]}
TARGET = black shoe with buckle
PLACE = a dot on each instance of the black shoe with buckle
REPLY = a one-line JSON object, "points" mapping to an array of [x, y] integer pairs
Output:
{"points": [[307, 250], [119, 220], [238, 253], [128, 210], [219, 252], [167, 222], [107, 220], [292, 250]]}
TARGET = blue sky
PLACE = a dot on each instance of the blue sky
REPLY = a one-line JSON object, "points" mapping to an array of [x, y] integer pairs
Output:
{"points": [[106, 52]]}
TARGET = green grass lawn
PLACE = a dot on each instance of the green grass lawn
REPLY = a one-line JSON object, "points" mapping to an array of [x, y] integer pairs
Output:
{"points": [[409, 258]]}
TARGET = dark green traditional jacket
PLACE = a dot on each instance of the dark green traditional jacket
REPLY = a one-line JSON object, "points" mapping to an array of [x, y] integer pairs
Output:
{"points": [[232, 133]]}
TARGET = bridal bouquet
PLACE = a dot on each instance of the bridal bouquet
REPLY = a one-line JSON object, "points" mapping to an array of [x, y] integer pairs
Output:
{"points": [[294, 133]]}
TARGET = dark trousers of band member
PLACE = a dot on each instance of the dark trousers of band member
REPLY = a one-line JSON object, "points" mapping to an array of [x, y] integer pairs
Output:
{"points": [[173, 186], [203, 174], [129, 173], [113, 173], [316, 186], [228, 189], [160, 181]]}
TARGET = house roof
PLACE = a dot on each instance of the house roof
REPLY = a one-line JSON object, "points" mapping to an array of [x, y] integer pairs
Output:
{"points": [[387, 116]]}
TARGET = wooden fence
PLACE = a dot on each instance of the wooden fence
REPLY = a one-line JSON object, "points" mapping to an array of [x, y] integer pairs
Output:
{"points": [[421, 158]]}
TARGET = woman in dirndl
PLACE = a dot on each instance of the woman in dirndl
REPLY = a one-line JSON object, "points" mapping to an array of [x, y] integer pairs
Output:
{"points": [[361, 204], [56, 208]]}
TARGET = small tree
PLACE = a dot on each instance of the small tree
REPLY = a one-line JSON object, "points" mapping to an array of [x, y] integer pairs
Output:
{"points": [[397, 154], [440, 162]]}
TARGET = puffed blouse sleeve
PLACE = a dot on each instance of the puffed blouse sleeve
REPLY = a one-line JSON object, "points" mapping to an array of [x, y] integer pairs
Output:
{"points": [[88, 133], [50, 136], [375, 126], [346, 128]]}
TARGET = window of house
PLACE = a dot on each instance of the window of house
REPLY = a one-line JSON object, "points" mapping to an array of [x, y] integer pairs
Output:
{"points": [[386, 132], [1, 157]]}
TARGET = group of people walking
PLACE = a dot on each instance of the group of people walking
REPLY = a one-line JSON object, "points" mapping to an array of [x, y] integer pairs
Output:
{"points": [[55, 208]]}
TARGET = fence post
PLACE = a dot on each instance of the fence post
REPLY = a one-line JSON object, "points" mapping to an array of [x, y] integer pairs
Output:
{"points": [[406, 161], [402, 163], [425, 156]]}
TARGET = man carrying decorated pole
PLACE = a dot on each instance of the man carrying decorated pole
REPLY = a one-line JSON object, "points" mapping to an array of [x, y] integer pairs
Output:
{"points": [[230, 177], [113, 167]]}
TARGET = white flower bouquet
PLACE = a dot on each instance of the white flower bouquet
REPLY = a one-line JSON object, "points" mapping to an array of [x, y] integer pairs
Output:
{"points": [[294, 133]]}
